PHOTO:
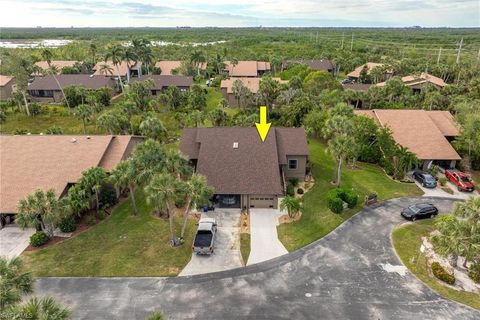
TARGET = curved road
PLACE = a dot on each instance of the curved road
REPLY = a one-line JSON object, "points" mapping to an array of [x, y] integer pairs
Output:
{"points": [[341, 276]]}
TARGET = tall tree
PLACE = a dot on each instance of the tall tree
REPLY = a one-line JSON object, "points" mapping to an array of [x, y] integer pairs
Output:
{"points": [[153, 128], [14, 282], [48, 55], [115, 54], [126, 175], [93, 179], [469, 210], [84, 112]]}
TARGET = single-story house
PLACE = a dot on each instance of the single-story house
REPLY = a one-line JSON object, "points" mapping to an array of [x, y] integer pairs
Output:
{"points": [[247, 68], [253, 84], [318, 64], [167, 66], [30, 162], [7, 86], [162, 82], [244, 171], [428, 134], [355, 74], [124, 68], [416, 82], [46, 89], [59, 64]]}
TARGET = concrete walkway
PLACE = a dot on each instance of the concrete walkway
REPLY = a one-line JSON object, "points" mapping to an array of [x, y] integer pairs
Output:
{"points": [[264, 241], [226, 253], [14, 240]]}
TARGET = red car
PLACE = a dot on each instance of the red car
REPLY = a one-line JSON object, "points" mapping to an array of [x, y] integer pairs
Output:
{"points": [[460, 179]]}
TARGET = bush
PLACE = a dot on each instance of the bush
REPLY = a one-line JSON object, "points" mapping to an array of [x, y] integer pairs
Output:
{"points": [[20, 131], [350, 197], [474, 272], [336, 197], [39, 238], [107, 196], [101, 214], [300, 191], [180, 203], [294, 182], [442, 181], [53, 130], [67, 225], [440, 273], [290, 190], [34, 108], [90, 220], [334, 203]]}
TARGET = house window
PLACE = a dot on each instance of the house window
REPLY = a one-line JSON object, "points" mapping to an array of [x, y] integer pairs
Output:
{"points": [[292, 164]]}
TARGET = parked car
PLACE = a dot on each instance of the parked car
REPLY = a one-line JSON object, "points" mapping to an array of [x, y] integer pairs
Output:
{"points": [[205, 237], [419, 211], [460, 179], [425, 179], [347, 81]]}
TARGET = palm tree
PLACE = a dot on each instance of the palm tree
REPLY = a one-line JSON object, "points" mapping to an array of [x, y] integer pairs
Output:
{"points": [[14, 282], [197, 192], [40, 309], [84, 112], [109, 121], [338, 147], [176, 163], [447, 239], [126, 175], [93, 179], [40, 209], [197, 58], [161, 193], [292, 205], [47, 55], [93, 52], [238, 89], [105, 69], [405, 161], [470, 210], [77, 200], [153, 128], [129, 56], [115, 54]]}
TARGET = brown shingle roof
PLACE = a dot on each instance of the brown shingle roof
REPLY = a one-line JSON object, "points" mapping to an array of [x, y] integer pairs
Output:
{"points": [[320, 65], [33, 162], [167, 66], [370, 65], [253, 84], [162, 81], [423, 78], [60, 64], [356, 86], [246, 68], [444, 122], [88, 81], [420, 131], [252, 168], [122, 67], [4, 80]]}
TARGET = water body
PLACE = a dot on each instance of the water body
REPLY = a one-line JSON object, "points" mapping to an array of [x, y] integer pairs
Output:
{"points": [[47, 43]]}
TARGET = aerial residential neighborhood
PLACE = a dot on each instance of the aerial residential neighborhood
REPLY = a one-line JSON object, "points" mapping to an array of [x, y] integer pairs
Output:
{"points": [[249, 160]]}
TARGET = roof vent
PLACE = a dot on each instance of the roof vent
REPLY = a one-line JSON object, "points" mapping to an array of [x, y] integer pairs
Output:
{"points": [[73, 140], [235, 145]]}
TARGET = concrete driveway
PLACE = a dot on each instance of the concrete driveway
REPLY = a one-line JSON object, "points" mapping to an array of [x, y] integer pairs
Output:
{"points": [[438, 192], [226, 253], [14, 240], [264, 243], [351, 273]]}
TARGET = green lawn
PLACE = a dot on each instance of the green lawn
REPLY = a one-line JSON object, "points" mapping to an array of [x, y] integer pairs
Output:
{"points": [[317, 220], [407, 240], [121, 245], [245, 246], [214, 95]]}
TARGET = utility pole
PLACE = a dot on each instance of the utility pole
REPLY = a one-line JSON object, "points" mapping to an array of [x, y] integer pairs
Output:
{"points": [[343, 38], [439, 55], [459, 51], [351, 44], [478, 56], [316, 38]]}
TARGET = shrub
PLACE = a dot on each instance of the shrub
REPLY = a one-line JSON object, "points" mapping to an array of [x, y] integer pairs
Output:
{"points": [[442, 181], [474, 272], [294, 182], [107, 196], [53, 130], [440, 273], [434, 170], [350, 197], [290, 190], [300, 191], [90, 220], [34, 108], [39, 238], [20, 131], [180, 203], [67, 225], [335, 204], [101, 214]]}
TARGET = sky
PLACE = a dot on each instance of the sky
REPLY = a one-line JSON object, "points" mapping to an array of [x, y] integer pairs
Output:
{"points": [[240, 13]]}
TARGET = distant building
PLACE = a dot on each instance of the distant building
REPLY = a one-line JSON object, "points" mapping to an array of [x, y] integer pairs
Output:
{"points": [[167, 67], [247, 68], [7, 86], [417, 82], [355, 74], [318, 64], [59, 64], [162, 82], [252, 84], [124, 69]]}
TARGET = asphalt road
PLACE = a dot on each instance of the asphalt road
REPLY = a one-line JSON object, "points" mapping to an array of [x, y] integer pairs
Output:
{"points": [[352, 273]]}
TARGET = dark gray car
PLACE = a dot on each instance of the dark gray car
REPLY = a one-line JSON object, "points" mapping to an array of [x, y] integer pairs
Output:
{"points": [[425, 179]]}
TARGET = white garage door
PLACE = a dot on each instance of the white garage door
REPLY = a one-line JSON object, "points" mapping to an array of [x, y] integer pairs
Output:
{"points": [[262, 201]]}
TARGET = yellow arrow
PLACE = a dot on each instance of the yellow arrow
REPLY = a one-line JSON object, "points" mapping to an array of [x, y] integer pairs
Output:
{"points": [[263, 126]]}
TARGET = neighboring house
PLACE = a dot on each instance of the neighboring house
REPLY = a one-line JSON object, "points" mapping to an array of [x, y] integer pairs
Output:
{"points": [[126, 70], [7, 86], [167, 67], [253, 85], [244, 171], [30, 162], [416, 82], [162, 82], [318, 64], [59, 64], [355, 74], [426, 133], [247, 68], [46, 89], [356, 100]]}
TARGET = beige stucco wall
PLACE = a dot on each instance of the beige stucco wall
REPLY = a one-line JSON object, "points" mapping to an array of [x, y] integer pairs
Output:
{"points": [[296, 173], [6, 91]]}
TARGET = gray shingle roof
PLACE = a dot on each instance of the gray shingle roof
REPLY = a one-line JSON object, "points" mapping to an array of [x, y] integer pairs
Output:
{"points": [[88, 81], [162, 81]]}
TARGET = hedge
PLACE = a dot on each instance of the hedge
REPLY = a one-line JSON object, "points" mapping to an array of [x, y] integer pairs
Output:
{"points": [[38, 238], [336, 197], [440, 273]]}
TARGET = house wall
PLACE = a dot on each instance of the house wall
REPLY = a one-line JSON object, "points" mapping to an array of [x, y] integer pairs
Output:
{"points": [[6, 91], [131, 146], [57, 97], [296, 173]]}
